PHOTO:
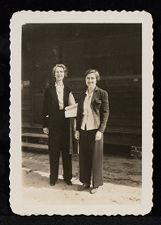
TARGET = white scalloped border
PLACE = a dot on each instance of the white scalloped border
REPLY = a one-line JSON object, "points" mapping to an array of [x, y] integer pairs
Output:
{"points": [[20, 18]]}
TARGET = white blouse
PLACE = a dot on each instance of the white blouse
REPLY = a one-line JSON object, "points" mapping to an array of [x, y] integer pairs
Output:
{"points": [[88, 120], [60, 92]]}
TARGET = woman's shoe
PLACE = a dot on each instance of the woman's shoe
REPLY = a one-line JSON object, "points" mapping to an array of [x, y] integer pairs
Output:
{"points": [[68, 182], [94, 190], [52, 183], [84, 187]]}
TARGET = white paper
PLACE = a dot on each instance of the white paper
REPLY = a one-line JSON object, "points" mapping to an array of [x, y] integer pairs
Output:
{"points": [[71, 111]]}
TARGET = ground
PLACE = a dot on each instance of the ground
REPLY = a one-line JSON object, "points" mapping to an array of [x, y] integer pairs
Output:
{"points": [[122, 182]]}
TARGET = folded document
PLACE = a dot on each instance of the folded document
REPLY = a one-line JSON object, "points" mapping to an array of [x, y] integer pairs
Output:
{"points": [[71, 111]]}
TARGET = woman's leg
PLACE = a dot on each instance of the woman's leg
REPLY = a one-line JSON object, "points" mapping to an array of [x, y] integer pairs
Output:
{"points": [[85, 157], [64, 144], [97, 164], [54, 154], [67, 165]]}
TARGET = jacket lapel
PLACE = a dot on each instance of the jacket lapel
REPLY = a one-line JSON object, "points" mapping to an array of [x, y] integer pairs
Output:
{"points": [[92, 100], [94, 94], [82, 100], [54, 95]]}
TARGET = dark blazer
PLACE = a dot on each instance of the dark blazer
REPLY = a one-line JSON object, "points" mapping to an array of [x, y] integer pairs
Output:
{"points": [[99, 104], [51, 105]]}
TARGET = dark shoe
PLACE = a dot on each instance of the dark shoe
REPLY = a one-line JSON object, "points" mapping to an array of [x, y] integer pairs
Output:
{"points": [[68, 182], [94, 190], [84, 187], [52, 183]]}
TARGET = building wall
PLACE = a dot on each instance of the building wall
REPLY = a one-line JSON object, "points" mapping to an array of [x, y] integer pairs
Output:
{"points": [[114, 49]]}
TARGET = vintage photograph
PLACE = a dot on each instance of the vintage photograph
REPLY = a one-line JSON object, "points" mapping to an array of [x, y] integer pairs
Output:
{"points": [[81, 113]]}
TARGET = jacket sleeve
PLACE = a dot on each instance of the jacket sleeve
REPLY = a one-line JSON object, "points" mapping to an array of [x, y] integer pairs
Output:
{"points": [[45, 110], [104, 111], [71, 100], [79, 117]]}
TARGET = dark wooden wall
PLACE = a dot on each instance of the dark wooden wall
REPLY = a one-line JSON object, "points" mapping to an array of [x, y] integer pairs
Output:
{"points": [[114, 49]]}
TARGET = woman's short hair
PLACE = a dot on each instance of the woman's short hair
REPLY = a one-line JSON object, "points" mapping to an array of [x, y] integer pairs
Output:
{"points": [[95, 72], [62, 66]]}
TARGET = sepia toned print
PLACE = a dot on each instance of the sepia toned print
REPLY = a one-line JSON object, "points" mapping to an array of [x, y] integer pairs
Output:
{"points": [[117, 120]]}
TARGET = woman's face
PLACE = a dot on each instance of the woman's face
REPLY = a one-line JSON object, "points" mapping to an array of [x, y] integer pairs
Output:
{"points": [[91, 80], [59, 74]]}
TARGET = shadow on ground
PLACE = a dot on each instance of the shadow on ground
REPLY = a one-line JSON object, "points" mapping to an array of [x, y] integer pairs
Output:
{"points": [[117, 169]]}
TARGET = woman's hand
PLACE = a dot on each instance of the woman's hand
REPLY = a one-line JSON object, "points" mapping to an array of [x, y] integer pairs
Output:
{"points": [[76, 135], [46, 130], [98, 136]]}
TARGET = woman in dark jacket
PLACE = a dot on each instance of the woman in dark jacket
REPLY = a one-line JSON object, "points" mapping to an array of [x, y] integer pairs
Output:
{"points": [[92, 116], [57, 96]]}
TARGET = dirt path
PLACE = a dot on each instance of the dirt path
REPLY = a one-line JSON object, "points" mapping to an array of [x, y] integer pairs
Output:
{"points": [[116, 170], [122, 183], [41, 191]]}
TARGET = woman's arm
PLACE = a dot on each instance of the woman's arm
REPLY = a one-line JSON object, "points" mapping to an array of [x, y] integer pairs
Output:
{"points": [[104, 111], [71, 100], [45, 113]]}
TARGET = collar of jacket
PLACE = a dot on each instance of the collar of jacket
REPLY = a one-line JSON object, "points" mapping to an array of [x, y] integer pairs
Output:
{"points": [[94, 94], [95, 89]]}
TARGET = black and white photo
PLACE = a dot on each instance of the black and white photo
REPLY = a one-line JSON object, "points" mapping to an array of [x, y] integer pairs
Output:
{"points": [[81, 113]]}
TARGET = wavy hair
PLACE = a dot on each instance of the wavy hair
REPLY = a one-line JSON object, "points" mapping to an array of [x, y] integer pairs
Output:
{"points": [[95, 72]]}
